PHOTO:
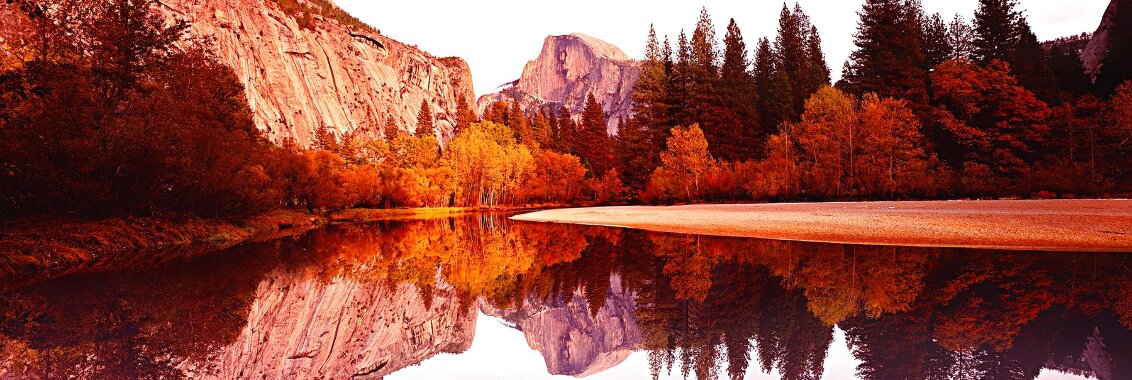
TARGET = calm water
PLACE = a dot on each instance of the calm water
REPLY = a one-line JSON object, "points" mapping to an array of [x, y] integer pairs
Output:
{"points": [[483, 297]]}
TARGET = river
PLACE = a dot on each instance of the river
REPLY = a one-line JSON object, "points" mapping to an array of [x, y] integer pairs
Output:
{"points": [[484, 297]]}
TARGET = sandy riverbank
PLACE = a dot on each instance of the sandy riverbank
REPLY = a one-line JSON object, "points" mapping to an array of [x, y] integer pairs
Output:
{"points": [[1057, 225]]}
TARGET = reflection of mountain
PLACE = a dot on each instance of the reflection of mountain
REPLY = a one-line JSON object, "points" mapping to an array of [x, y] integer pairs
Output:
{"points": [[304, 328], [571, 339]]}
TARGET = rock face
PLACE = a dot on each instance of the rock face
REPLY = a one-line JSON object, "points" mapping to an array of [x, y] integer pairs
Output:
{"points": [[568, 69], [1094, 54], [311, 329], [571, 340], [327, 74]]}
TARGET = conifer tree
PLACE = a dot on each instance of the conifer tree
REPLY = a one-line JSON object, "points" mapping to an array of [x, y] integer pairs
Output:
{"points": [[888, 58], [464, 115], [934, 43], [593, 145], [996, 30], [737, 137], [649, 97], [391, 130], [764, 77], [424, 121], [567, 132], [799, 59], [959, 37], [1029, 62]]}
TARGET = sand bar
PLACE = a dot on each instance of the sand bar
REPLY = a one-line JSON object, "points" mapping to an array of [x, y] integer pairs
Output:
{"points": [[1053, 225]]}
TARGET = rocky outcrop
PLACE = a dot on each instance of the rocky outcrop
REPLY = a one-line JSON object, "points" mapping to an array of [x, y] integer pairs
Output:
{"points": [[323, 73], [1092, 57], [568, 69], [312, 329], [571, 340]]}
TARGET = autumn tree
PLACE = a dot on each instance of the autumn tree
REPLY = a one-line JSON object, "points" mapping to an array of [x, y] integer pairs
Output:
{"points": [[683, 165], [868, 148], [992, 120]]}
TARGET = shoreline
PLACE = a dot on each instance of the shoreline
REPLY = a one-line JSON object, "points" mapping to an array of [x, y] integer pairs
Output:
{"points": [[44, 248], [1036, 225]]}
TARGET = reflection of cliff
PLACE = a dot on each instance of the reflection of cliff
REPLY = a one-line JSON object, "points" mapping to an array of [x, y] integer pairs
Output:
{"points": [[305, 328], [571, 339]]}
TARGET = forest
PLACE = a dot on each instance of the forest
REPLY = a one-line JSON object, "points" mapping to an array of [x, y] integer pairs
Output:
{"points": [[112, 111]]}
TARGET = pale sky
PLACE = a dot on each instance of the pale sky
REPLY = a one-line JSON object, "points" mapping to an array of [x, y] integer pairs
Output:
{"points": [[498, 37]]}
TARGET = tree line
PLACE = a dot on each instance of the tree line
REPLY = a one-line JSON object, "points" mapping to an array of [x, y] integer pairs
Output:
{"points": [[926, 108]]}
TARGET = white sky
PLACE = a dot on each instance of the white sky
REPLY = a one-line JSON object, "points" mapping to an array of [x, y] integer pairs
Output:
{"points": [[498, 37]]}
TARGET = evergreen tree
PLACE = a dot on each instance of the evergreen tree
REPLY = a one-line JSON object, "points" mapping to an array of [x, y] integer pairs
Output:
{"points": [[567, 132], [799, 59], [996, 30], [1068, 70], [934, 44], [888, 59], [542, 130], [702, 76], [737, 138], [765, 77], [633, 152], [959, 37], [464, 116], [650, 110], [424, 121], [391, 130], [1028, 62], [593, 145]]}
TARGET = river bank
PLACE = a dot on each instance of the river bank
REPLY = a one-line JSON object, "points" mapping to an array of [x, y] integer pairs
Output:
{"points": [[52, 247], [1048, 225]]}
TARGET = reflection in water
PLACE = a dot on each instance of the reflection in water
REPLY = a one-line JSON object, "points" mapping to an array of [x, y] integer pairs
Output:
{"points": [[366, 301]]}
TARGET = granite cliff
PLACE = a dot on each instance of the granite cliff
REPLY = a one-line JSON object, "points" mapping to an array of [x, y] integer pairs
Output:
{"points": [[1104, 39], [302, 74], [568, 69], [309, 328]]}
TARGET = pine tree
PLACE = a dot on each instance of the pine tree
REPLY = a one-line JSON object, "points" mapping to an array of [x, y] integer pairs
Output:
{"points": [[934, 43], [633, 153], [703, 75], [424, 121], [543, 132], [1028, 62], [764, 76], [593, 145], [888, 58], [959, 37], [650, 110], [996, 30], [799, 59], [464, 116], [1068, 70], [391, 130], [567, 132], [736, 139]]}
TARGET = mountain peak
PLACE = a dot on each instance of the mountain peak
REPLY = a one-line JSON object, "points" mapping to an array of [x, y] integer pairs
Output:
{"points": [[601, 48]]}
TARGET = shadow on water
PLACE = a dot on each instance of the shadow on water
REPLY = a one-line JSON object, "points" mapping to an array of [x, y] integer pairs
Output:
{"points": [[368, 300]]}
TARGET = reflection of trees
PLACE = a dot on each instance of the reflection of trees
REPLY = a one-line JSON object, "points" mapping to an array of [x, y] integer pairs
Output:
{"points": [[132, 324], [704, 305]]}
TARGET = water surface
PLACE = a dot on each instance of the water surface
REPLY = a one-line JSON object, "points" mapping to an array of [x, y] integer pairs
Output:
{"points": [[483, 297]]}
